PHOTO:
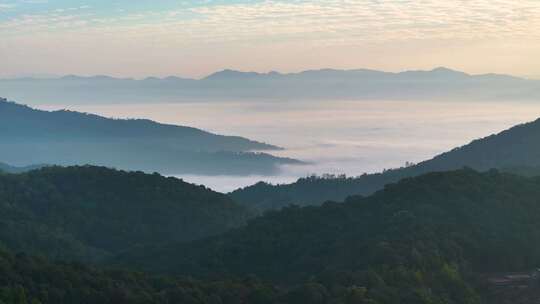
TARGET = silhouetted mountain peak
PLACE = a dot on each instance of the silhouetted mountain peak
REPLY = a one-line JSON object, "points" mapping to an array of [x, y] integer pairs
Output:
{"points": [[167, 79], [445, 70], [436, 73], [231, 74]]}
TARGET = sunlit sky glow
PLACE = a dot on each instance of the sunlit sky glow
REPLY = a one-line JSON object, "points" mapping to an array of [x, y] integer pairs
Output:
{"points": [[194, 38]]}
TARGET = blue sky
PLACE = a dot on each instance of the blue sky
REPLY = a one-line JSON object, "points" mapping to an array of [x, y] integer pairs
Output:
{"points": [[103, 8], [194, 38]]}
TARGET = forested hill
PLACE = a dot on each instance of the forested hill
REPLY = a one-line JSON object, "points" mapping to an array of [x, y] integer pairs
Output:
{"points": [[29, 280], [423, 240], [88, 213], [31, 136], [513, 150]]}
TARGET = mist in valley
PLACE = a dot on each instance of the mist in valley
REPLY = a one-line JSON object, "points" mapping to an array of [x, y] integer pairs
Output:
{"points": [[332, 136]]}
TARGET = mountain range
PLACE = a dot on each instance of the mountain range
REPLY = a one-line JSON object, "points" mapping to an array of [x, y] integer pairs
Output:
{"points": [[437, 84], [430, 233], [438, 237], [516, 150], [31, 136]]}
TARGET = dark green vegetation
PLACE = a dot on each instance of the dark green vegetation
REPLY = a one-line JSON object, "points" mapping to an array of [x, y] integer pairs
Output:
{"points": [[28, 280], [423, 240], [313, 190], [31, 136], [326, 84], [516, 150], [429, 239], [89, 213]]}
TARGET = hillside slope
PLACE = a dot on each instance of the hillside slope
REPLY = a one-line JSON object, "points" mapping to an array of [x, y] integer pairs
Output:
{"points": [[88, 213], [511, 150], [32, 136], [423, 240]]}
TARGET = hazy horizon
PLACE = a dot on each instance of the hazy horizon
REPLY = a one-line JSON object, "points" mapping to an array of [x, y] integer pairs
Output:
{"points": [[195, 38], [202, 77]]}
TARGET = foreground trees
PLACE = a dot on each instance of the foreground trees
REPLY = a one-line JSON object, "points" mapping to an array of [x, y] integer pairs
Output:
{"points": [[425, 240]]}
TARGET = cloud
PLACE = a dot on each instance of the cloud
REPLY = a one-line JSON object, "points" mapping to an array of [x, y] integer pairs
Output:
{"points": [[6, 6], [293, 29], [330, 21], [372, 20]]}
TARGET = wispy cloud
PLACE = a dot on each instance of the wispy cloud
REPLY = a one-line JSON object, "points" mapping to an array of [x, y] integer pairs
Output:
{"points": [[330, 20], [293, 25], [6, 6]]}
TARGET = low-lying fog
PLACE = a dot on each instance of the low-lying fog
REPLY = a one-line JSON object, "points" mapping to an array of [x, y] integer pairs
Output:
{"points": [[350, 137]]}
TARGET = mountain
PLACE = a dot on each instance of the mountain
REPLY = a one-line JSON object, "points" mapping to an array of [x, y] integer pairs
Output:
{"points": [[437, 84], [429, 239], [31, 136], [10, 169], [516, 150], [89, 213]]}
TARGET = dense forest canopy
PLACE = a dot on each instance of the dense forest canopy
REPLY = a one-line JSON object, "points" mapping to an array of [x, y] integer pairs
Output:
{"points": [[422, 240], [89, 213], [30, 280], [516, 150], [31, 136], [428, 239]]}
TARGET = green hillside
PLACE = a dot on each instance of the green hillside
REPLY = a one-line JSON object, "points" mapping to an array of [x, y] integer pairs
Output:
{"points": [[88, 213], [423, 240], [516, 149]]}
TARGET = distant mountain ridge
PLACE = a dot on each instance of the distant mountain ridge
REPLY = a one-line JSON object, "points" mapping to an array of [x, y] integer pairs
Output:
{"points": [[516, 150], [439, 72], [11, 169], [435, 84], [31, 136]]}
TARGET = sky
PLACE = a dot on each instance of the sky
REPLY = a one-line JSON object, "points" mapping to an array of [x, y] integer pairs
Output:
{"points": [[139, 38]]}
